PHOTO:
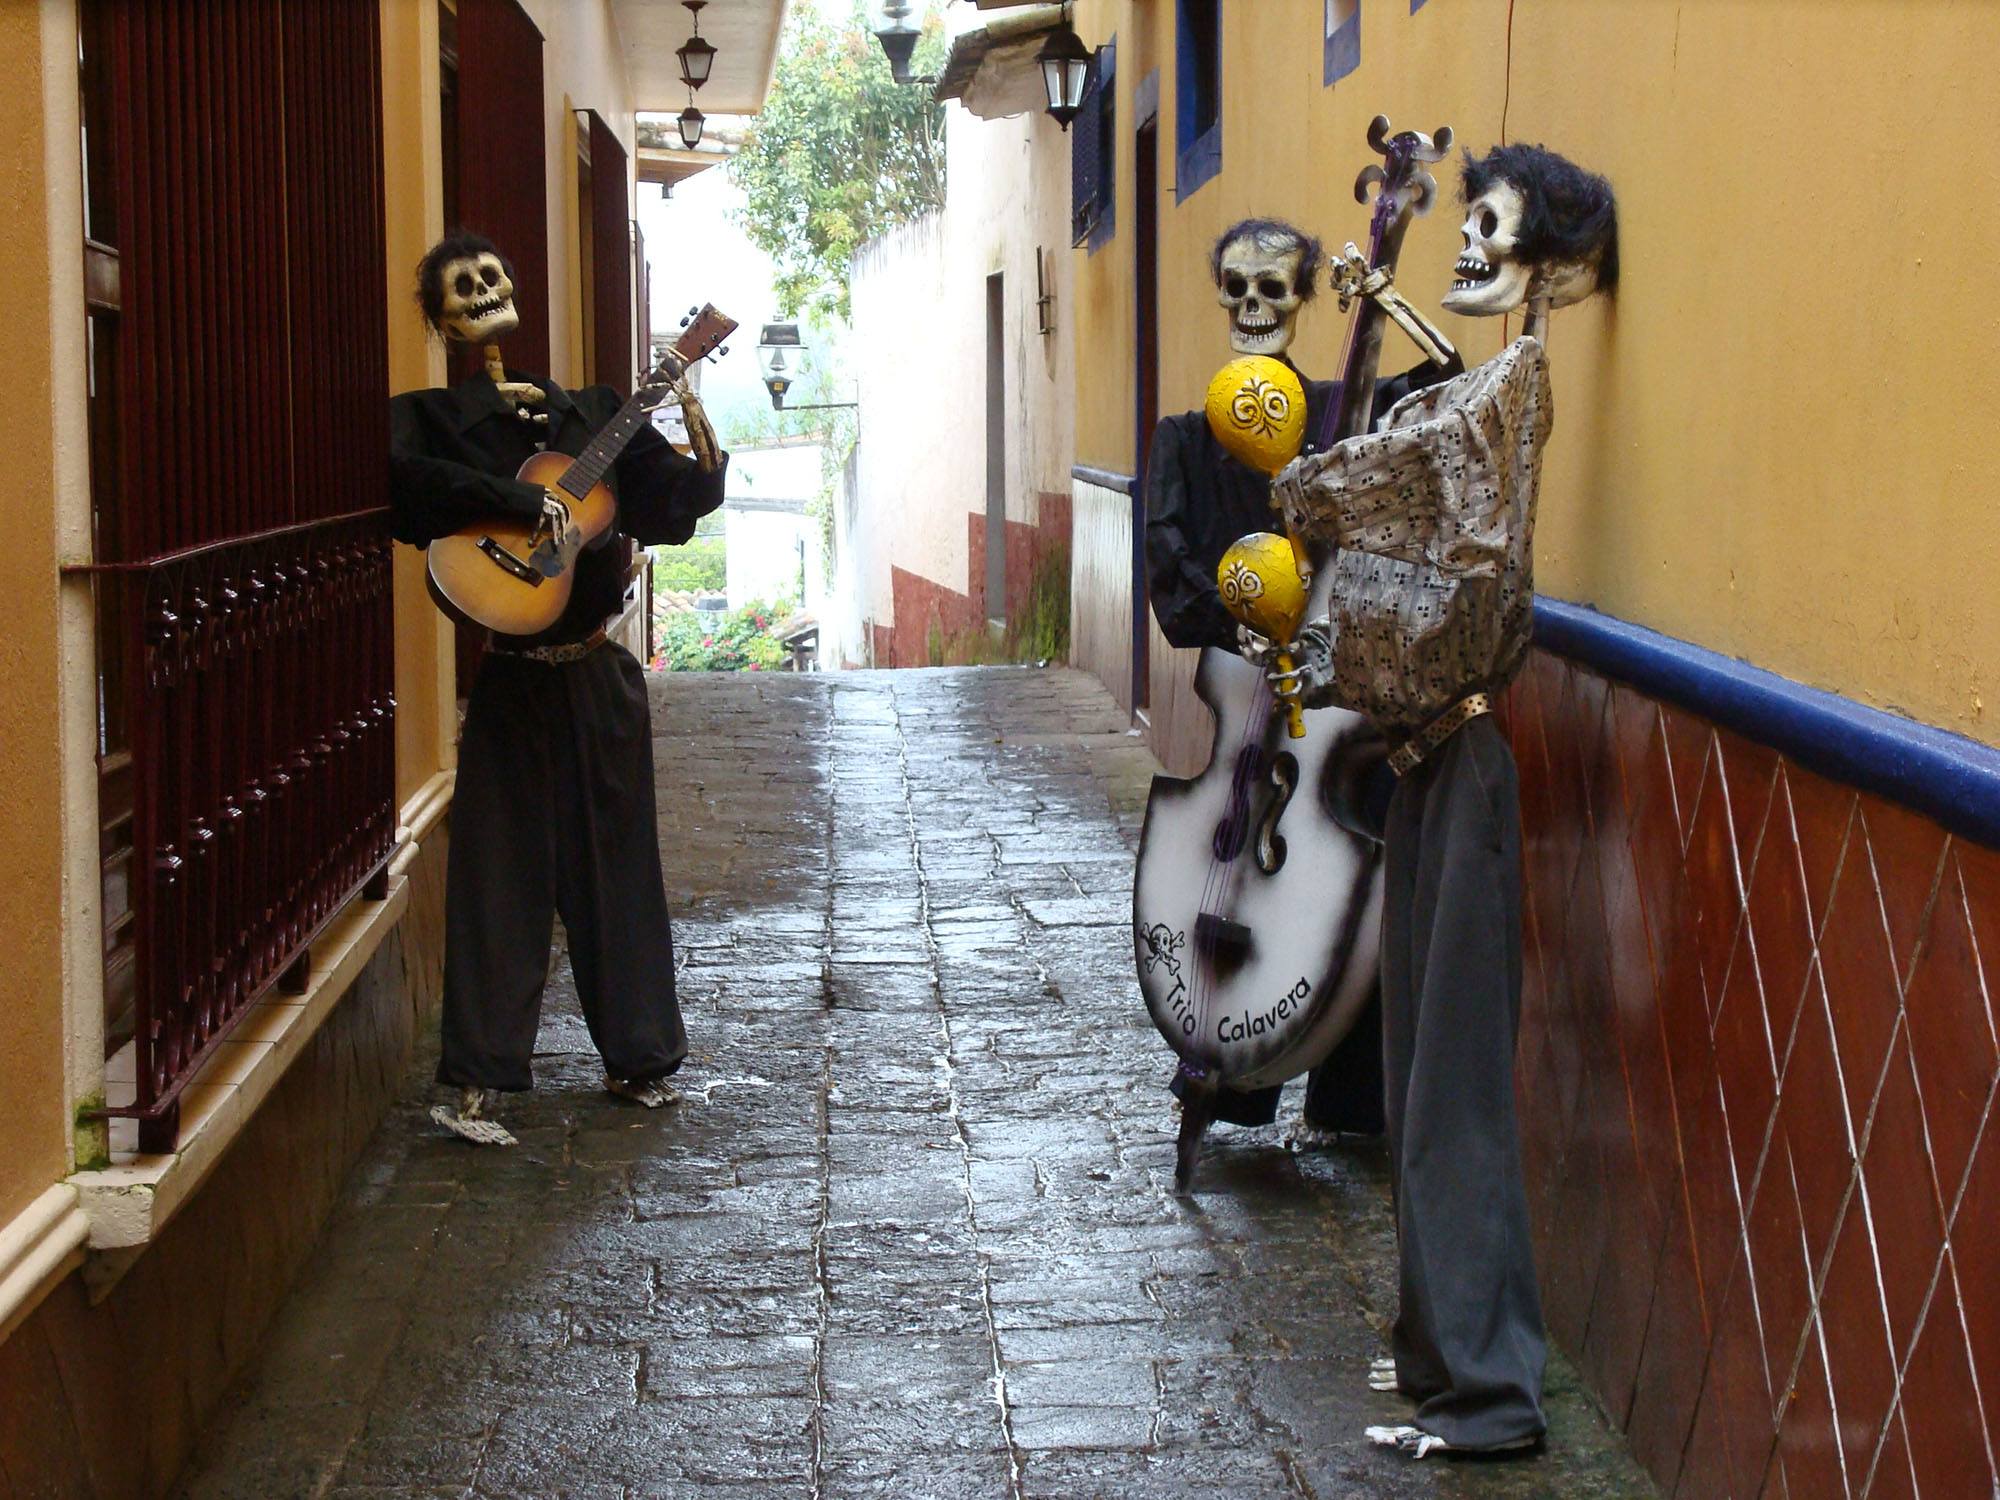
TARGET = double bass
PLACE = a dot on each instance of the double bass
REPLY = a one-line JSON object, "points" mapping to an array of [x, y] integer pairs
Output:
{"points": [[1256, 905]]}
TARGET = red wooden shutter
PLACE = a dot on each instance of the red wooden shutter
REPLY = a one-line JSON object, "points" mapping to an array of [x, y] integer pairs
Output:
{"points": [[503, 160], [245, 570], [611, 250]]}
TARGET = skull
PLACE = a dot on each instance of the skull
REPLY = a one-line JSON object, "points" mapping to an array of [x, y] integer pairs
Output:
{"points": [[478, 299], [1490, 278], [1258, 281], [1539, 226]]}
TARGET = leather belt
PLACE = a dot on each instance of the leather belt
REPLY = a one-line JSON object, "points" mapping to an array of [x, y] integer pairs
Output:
{"points": [[1410, 754], [556, 656]]}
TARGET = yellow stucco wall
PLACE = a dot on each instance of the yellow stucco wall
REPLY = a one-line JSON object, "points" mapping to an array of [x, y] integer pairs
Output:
{"points": [[1762, 446], [413, 218], [33, 1128]]}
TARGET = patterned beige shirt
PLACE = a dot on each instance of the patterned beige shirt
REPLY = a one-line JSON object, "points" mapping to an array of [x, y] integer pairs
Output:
{"points": [[1434, 518]]}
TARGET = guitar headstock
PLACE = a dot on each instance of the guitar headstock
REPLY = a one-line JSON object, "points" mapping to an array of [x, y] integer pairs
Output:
{"points": [[702, 333], [1403, 189]]}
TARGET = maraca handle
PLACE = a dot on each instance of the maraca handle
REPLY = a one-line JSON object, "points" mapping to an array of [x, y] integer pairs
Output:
{"points": [[1295, 717]]}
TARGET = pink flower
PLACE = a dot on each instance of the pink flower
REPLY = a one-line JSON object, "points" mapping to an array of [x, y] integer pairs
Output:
{"points": [[708, 640]]}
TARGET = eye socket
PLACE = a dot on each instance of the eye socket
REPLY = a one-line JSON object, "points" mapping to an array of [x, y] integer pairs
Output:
{"points": [[1235, 285], [1488, 222], [1272, 288], [463, 286], [490, 275]]}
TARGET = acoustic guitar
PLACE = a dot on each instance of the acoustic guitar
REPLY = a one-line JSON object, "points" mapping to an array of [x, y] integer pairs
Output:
{"points": [[514, 576]]}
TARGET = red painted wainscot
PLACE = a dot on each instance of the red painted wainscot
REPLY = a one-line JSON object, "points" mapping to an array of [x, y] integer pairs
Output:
{"points": [[1757, 1078], [925, 608]]}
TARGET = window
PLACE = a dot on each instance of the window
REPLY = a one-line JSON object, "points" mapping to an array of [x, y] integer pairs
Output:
{"points": [[1093, 148], [1198, 95], [1343, 37]]}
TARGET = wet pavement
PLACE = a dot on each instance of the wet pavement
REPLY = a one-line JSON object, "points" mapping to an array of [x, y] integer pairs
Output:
{"points": [[912, 1233]]}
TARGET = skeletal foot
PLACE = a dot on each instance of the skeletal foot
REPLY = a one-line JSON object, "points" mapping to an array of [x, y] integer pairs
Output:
{"points": [[653, 1093], [1382, 1374], [468, 1120], [1417, 1443]]}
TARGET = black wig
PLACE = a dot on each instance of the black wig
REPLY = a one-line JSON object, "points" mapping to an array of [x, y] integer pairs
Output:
{"points": [[1567, 213], [460, 244], [1272, 234]]}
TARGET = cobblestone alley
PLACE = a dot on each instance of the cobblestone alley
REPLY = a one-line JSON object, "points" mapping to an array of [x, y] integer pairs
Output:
{"points": [[911, 1234]]}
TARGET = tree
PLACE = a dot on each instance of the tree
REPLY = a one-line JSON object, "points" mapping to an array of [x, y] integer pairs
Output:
{"points": [[839, 153]]}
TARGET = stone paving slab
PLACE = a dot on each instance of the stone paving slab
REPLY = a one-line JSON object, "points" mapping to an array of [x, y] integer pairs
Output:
{"points": [[911, 1234]]}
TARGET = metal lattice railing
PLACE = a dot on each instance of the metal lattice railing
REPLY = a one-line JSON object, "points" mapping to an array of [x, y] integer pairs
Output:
{"points": [[260, 695]]}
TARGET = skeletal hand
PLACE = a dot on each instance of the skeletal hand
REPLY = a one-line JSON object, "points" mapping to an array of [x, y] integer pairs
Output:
{"points": [[556, 519], [701, 436], [1254, 648], [1312, 666]]}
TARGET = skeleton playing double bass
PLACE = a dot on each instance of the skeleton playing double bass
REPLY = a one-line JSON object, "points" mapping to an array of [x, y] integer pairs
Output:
{"points": [[1256, 903]]}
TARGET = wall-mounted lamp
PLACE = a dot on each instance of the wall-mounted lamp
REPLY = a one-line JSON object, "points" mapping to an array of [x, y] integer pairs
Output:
{"points": [[897, 29], [1065, 63], [781, 357]]}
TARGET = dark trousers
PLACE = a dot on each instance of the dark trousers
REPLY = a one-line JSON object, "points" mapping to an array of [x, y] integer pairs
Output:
{"points": [[1468, 1338], [554, 813]]}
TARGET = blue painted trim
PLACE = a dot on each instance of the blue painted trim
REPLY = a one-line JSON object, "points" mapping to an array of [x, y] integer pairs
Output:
{"points": [[1198, 163], [1947, 777], [1197, 152], [1105, 225], [1342, 53]]}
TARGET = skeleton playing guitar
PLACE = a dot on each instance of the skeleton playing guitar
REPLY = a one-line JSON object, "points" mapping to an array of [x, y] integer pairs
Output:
{"points": [[514, 576]]}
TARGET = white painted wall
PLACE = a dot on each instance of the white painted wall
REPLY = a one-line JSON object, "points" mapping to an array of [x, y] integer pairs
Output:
{"points": [[919, 353]]}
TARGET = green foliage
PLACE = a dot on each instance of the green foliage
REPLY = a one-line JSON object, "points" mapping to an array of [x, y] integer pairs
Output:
{"points": [[703, 640], [702, 564], [1039, 634], [1042, 632], [839, 153]]}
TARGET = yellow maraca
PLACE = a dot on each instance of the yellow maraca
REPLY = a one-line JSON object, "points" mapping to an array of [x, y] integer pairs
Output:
{"points": [[1257, 411], [1260, 584]]}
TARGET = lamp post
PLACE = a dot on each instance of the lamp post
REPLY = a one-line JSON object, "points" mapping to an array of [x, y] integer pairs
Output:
{"points": [[1065, 64]]}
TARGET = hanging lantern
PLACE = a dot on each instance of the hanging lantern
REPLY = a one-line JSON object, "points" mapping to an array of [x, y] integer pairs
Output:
{"points": [[1065, 72], [691, 121], [697, 56]]}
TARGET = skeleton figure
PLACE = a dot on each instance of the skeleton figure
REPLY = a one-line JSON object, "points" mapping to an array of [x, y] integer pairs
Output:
{"points": [[1539, 232], [1433, 519], [555, 765], [1265, 271]]}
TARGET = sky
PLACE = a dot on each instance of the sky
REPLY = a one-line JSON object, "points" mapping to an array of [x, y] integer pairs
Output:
{"points": [[698, 255]]}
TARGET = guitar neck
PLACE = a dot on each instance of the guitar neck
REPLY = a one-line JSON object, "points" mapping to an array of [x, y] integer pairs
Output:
{"points": [[595, 461]]}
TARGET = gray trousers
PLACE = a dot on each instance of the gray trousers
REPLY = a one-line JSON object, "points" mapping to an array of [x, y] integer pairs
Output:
{"points": [[1468, 1337]]}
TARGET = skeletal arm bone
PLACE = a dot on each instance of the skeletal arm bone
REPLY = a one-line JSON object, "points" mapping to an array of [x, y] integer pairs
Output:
{"points": [[1354, 277]]}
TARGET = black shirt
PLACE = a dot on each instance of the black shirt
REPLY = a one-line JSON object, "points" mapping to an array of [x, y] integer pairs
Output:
{"points": [[1200, 502], [453, 454]]}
